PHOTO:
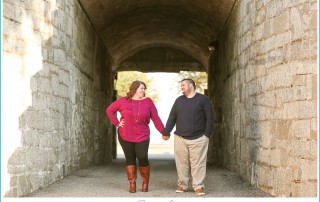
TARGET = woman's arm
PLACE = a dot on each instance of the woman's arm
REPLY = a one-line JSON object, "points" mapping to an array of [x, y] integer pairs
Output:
{"points": [[155, 116], [112, 112]]}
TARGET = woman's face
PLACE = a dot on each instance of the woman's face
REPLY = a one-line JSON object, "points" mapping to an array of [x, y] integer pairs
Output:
{"points": [[140, 93]]}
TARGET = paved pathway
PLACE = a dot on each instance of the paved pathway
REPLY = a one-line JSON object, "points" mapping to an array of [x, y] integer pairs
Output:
{"points": [[110, 181]]}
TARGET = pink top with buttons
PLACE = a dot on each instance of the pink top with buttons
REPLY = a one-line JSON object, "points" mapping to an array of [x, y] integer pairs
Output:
{"points": [[136, 115]]}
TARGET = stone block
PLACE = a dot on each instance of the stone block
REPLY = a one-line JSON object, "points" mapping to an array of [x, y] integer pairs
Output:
{"points": [[249, 73], [266, 99], [15, 46], [282, 39], [25, 185], [313, 129], [291, 110], [52, 157], [263, 178], [59, 57], [309, 170], [41, 84], [57, 103], [12, 12], [17, 169], [293, 3], [59, 39], [275, 157], [273, 8], [35, 181], [11, 32], [307, 109], [298, 51], [18, 157], [280, 23], [313, 21], [301, 149], [29, 138], [282, 182], [260, 15], [266, 136], [283, 157], [309, 189], [37, 159], [57, 172], [267, 45], [300, 129], [263, 156], [281, 129], [296, 23]]}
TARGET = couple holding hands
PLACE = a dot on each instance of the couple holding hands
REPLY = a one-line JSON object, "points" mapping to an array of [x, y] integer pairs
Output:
{"points": [[192, 115]]}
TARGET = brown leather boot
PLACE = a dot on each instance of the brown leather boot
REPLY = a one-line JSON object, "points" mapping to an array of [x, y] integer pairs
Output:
{"points": [[132, 176], [145, 174]]}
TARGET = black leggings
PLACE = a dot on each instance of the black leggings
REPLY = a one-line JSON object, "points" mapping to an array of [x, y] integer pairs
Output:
{"points": [[135, 150]]}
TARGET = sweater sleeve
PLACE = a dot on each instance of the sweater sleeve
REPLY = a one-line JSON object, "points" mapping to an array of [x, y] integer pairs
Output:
{"points": [[209, 117], [112, 112], [155, 117], [171, 122]]}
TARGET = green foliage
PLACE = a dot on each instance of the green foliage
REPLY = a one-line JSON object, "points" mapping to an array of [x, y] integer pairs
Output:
{"points": [[126, 78], [200, 78]]}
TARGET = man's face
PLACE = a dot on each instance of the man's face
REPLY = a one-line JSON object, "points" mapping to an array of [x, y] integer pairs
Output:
{"points": [[185, 87]]}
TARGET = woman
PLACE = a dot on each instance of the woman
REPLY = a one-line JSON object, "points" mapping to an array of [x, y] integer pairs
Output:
{"points": [[134, 133]]}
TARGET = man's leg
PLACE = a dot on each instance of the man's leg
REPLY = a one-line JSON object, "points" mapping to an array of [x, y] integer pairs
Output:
{"points": [[181, 154], [198, 160]]}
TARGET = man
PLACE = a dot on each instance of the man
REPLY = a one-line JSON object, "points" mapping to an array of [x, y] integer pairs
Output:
{"points": [[193, 116]]}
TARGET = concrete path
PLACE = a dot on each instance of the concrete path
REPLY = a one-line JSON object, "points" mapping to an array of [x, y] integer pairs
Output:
{"points": [[110, 181]]}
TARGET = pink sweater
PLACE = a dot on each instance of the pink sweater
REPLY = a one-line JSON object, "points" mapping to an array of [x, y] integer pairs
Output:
{"points": [[136, 115]]}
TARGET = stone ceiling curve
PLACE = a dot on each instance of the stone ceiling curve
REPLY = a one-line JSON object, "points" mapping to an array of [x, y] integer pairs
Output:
{"points": [[127, 27]]}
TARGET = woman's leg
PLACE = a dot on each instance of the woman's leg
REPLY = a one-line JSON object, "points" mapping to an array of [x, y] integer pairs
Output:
{"points": [[141, 151], [144, 168], [128, 150], [131, 168]]}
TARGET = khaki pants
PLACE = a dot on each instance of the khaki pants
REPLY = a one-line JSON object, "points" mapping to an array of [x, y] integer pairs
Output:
{"points": [[191, 156]]}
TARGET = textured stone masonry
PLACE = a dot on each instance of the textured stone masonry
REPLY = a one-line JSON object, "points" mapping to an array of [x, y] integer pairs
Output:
{"points": [[264, 80], [64, 127]]}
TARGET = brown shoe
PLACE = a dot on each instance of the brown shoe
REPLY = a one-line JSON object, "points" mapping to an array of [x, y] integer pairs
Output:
{"points": [[145, 175], [132, 176], [180, 189], [200, 192]]}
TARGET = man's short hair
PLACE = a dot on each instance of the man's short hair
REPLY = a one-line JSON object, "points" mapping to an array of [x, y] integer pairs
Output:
{"points": [[190, 81]]}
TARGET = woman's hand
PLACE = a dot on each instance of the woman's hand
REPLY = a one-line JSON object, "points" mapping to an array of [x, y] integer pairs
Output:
{"points": [[165, 137], [121, 124]]}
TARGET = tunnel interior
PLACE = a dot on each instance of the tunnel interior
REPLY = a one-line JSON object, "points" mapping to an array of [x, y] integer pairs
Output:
{"points": [[260, 58], [153, 36]]}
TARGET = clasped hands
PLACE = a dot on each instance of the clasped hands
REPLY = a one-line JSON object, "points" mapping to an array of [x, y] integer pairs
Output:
{"points": [[165, 137]]}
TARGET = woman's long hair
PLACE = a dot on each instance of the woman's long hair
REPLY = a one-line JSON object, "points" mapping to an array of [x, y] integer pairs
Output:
{"points": [[133, 88]]}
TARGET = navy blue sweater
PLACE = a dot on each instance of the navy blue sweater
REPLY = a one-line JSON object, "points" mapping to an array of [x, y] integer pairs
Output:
{"points": [[193, 117]]}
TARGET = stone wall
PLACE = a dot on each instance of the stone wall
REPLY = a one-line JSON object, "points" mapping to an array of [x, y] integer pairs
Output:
{"points": [[57, 82], [263, 83]]}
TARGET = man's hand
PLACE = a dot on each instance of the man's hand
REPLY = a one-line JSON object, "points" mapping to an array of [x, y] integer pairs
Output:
{"points": [[164, 137]]}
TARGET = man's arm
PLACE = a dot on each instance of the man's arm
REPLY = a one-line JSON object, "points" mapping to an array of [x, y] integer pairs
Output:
{"points": [[171, 122], [209, 117]]}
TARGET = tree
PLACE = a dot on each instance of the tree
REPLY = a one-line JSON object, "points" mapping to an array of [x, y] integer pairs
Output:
{"points": [[126, 78], [200, 78]]}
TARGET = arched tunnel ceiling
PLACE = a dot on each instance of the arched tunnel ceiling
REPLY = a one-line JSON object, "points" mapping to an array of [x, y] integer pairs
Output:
{"points": [[181, 27]]}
